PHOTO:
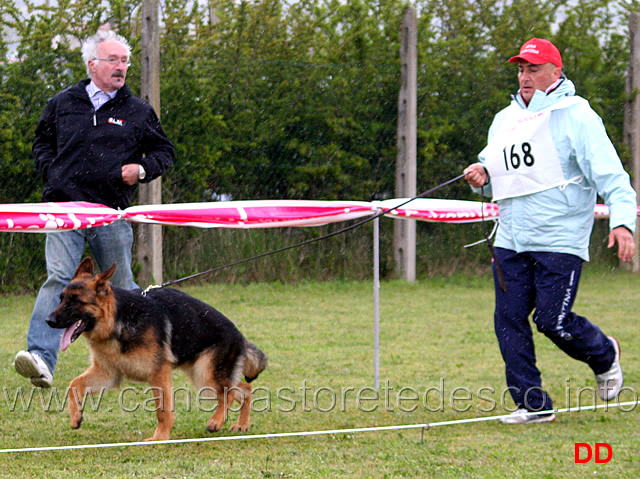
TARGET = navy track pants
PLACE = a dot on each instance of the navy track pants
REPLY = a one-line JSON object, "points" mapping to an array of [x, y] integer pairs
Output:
{"points": [[546, 284]]}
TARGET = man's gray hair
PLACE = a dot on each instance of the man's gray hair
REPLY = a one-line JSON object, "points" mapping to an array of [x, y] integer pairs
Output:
{"points": [[90, 45]]}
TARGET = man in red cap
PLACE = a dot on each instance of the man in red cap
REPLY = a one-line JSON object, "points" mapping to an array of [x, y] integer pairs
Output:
{"points": [[547, 159], [540, 67]]}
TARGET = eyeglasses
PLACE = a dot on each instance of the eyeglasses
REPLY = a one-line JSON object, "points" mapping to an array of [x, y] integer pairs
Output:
{"points": [[115, 61]]}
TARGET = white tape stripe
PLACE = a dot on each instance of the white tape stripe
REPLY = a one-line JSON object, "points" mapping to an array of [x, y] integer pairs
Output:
{"points": [[313, 433]]}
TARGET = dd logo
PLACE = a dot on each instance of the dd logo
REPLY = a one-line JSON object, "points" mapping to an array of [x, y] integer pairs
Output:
{"points": [[589, 452]]}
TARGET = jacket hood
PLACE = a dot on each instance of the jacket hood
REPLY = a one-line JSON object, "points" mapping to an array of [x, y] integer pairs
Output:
{"points": [[542, 100]]}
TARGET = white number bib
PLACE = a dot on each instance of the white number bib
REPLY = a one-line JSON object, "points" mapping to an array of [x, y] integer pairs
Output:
{"points": [[521, 157]]}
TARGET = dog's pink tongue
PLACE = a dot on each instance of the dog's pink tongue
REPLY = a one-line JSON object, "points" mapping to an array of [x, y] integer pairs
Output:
{"points": [[65, 340]]}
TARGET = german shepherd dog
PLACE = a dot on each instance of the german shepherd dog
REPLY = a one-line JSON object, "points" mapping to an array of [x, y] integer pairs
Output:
{"points": [[143, 337]]}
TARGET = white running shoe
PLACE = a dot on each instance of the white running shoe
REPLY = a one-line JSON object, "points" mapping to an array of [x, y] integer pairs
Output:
{"points": [[524, 416], [32, 366], [610, 383]]}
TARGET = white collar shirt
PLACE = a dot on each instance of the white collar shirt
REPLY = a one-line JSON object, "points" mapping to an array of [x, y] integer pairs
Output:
{"points": [[97, 96]]}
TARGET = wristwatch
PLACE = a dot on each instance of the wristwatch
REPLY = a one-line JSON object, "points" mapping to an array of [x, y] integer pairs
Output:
{"points": [[141, 172]]}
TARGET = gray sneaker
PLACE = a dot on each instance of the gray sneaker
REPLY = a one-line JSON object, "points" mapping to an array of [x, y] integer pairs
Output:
{"points": [[32, 366], [524, 416], [610, 383]]}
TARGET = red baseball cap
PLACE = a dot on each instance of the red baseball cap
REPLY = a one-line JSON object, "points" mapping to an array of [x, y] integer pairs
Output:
{"points": [[538, 51]]}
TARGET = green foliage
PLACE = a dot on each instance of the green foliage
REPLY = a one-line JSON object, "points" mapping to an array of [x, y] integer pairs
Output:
{"points": [[275, 99], [290, 107]]}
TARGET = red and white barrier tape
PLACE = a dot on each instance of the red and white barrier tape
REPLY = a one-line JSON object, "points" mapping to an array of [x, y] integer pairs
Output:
{"points": [[50, 217]]}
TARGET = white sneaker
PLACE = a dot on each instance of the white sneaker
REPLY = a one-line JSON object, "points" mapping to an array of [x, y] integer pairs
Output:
{"points": [[524, 416], [32, 366], [611, 382]]}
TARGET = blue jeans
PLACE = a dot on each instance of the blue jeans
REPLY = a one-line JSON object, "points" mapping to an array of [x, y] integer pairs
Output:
{"points": [[64, 251], [548, 284]]}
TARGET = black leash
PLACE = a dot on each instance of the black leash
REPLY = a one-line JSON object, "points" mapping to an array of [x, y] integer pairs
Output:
{"points": [[487, 236], [313, 240]]}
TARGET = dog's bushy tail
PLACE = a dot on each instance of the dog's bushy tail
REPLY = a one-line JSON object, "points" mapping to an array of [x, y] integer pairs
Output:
{"points": [[254, 363]]}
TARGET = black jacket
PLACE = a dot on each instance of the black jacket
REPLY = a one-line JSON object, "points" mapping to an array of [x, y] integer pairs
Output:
{"points": [[80, 152]]}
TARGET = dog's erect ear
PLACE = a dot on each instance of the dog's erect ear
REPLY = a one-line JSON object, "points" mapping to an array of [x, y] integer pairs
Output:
{"points": [[107, 274], [85, 266], [103, 279]]}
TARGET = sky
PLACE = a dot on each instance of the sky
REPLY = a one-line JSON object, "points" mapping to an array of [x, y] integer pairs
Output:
{"points": [[10, 36]]}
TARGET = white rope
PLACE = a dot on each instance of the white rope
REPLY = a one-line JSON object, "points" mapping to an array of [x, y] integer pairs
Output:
{"points": [[313, 433]]}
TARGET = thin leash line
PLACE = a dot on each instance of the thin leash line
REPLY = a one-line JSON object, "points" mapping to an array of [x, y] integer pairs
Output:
{"points": [[313, 240], [424, 426], [499, 272]]}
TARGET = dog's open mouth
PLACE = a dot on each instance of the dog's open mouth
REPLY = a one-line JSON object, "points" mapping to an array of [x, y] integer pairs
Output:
{"points": [[71, 333]]}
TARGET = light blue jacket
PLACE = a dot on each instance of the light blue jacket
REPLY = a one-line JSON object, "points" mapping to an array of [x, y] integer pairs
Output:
{"points": [[560, 219]]}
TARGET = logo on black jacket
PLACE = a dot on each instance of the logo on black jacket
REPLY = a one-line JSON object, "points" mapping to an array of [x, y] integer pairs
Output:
{"points": [[115, 121]]}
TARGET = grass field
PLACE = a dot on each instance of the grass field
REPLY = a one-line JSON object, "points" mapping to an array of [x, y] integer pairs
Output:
{"points": [[436, 342]]}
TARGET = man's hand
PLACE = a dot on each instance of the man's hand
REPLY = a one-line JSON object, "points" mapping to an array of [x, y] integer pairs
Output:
{"points": [[476, 175], [626, 245], [130, 174]]}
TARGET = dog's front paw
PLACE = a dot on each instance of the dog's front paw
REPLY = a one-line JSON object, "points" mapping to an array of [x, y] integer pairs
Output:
{"points": [[76, 421], [239, 427], [214, 425]]}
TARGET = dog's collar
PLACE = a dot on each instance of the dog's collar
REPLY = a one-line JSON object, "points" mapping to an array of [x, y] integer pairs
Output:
{"points": [[149, 288]]}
